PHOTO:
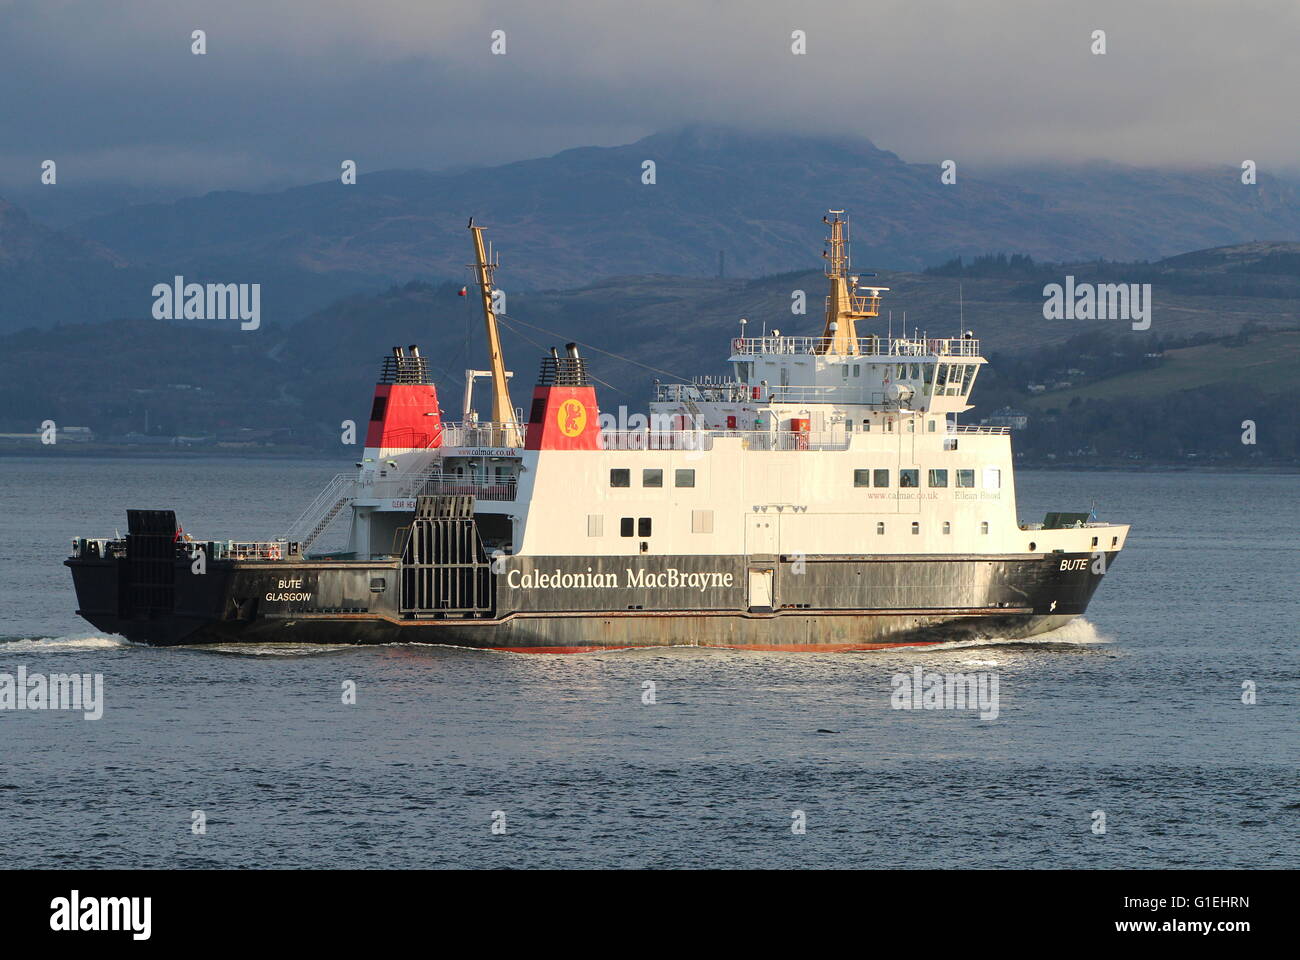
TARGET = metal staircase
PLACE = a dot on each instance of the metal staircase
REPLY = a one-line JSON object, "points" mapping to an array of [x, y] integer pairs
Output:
{"points": [[322, 511]]}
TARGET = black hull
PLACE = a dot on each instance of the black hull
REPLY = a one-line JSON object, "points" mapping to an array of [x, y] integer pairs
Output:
{"points": [[816, 604]]}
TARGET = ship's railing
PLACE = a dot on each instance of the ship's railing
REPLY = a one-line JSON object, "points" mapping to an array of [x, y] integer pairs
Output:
{"points": [[704, 440], [91, 548], [866, 346], [251, 550], [978, 428], [482, 433], [736, 392], [435, 482]]}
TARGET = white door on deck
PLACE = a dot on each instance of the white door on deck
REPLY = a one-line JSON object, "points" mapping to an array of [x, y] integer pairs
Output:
{"points": [[761, 533], [760, 588]]}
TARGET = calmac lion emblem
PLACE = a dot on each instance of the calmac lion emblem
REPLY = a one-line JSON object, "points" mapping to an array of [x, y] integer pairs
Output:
{"points": [[572, 417]]}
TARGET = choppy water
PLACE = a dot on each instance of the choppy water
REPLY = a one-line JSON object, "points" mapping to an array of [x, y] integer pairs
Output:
{"points": [[1136, 712]]}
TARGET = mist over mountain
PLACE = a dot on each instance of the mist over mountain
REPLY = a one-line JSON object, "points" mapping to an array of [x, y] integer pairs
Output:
{"points": [[584, 215]]}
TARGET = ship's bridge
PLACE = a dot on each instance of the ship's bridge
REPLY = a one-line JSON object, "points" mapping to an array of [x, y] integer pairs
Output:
{"points": [[920, 374]]}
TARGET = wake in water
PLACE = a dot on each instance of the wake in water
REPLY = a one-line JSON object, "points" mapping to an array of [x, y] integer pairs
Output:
{"points": [[74, 644], [1078, 632]]}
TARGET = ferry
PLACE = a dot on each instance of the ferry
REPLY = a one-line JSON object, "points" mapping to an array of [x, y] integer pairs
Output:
{"points": [[822, 495]]}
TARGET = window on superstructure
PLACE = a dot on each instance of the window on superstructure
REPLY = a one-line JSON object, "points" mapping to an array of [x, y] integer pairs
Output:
{"points": [[880, 527], [947, 528], [862, 478], [844, 371], [916, 371], [968, 377], [992, 478], [880, 478], [857, 369], [909, 478], [984, 526], [1094, 541], [866, 426], [928, 370], [684, 478], [916, 527], [938, 478], [643, 527], [652, 478], [620, 477], [965, 478], [932, 423], [625, 527], [911, 426]]}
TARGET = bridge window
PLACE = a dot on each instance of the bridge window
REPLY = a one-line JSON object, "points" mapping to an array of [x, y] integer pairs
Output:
{"points": [[968, 377], [652, 478], [643, 527], [620, 478], [909, 478], [880, 527], [684, 478], [938, 478], [862, 478], [625, 527], [880, 478], [965, 478]]}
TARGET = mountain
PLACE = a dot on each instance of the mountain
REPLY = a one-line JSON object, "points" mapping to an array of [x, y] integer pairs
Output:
{"points": [[584, 214]]}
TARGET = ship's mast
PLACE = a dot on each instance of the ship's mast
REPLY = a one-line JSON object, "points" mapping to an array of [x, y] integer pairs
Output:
{"points": [[505, 431], [844, 305]]}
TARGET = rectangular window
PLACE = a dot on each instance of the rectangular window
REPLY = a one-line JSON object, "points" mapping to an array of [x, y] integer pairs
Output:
{"points": [[909, 478], [916, 527], [620, 478], [967, 378], [701, 521], [684, 478], [595, 525], [992, 478], [965, 478], [880, 478], [652, 478], [938, 478], [932, 425], [880, 527], [625, 527], [984, 526], [862, 478], [643, 527], [947, 527]]}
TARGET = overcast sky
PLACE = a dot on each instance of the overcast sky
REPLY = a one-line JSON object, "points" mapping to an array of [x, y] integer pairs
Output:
{"points": [[289, 88]]}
